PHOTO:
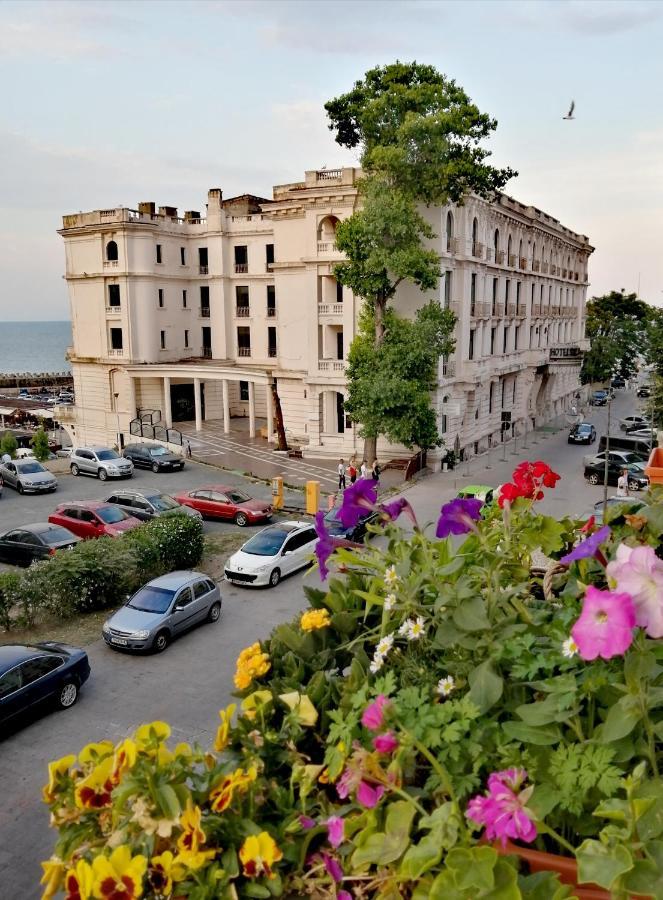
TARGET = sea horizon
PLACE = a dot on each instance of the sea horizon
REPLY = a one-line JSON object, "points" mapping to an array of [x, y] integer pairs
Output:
{"points": [[34, 347]]}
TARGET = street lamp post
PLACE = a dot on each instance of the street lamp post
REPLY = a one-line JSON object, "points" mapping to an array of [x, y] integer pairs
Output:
{"points": [[607, 460], [117, 413]]}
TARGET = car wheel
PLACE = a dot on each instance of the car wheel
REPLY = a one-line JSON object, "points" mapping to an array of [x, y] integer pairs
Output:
{"points": [[74, 469], [241, 520], [274, 578], [161, 642], [102, 474], [593, 478], [68, 695], [20, 488], [633, 486], [214, 612], [155, 468]]}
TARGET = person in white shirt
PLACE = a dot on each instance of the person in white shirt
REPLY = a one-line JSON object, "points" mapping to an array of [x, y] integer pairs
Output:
{"points": [[341, 475], [622, 484], [363, 469]]}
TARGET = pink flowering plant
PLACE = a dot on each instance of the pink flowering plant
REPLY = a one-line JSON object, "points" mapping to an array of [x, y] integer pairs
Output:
{"points": [[437, 711]]}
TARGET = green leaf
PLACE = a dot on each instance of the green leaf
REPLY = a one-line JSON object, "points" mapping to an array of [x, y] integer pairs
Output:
{"points": [[471, 614], [549, 534], [472, 868], [486, 686], [251, 889], [602, 865], [620, 721], [545, 711], [168, 802], [544, 886], [541, 736], [421, 857], [646, 879], [383, 848]]}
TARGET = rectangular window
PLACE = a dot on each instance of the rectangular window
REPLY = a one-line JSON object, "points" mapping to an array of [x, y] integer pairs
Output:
{"points": [[516, 339], [507, 290], [447, 288], [503, 391], [163, 340], [471, 348], [505, 340], [202, 256], [159, 253], [241, 259], [339, 344], [339, 292], [271, 341], [242, 307], [243, 341], [182, 256], [207, 340], [113, 294], [532, 293], [186, 337], [494, 296], [244, 391], [492, 340], [513, 392], [473, 288], [160, 298], [541, 294], [204, 300], [269, 254], [490, 397], [116, 339], [183, 299], [518, 292], [271, 301]]}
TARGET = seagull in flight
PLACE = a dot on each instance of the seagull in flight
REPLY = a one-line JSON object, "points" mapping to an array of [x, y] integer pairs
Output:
{"points": [[569, 114]]}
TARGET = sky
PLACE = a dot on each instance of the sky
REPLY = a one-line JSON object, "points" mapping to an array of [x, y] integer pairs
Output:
{"points": [[110, 103]]}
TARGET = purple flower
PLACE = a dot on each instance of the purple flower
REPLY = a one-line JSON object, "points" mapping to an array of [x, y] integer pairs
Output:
{"points": [[589, 547], [357, 499], [458, 516], [344, 895], [393, 510], [325, 545], [368, 795], [346, 783], [306, 822], [335, 831], [333, 867]]}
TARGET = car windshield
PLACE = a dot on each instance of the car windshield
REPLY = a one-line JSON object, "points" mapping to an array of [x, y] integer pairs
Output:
{"points": [[584, 428], [55, 534], [107, 454], [111, 515], [30, 468], [151, 599], [637, 468], [162, 502], [332, 515], [266, 543], [237, 496], [158, 451]]}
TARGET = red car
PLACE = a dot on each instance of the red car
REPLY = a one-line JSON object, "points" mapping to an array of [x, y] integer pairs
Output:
{"points": [[93, 519], [222, 501]]}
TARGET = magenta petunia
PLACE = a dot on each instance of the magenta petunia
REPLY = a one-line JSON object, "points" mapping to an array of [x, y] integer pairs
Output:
{"points": [[344, 895], [358, 499], [393, 510], [335, 831], [503, 810], [458, 516], [325, 545], [637, 571], [307, 822], [369, 795], [589, 547], [373, 716], [385, 743], [333, 867], [605, 625]]}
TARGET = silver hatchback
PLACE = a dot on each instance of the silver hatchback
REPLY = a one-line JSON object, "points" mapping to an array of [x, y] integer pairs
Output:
{"points": [[163, 609]]}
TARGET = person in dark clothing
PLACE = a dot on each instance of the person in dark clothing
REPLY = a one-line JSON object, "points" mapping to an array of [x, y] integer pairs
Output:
{"points": [[375, 471]]}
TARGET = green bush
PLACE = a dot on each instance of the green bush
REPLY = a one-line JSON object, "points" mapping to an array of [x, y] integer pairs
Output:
{"points": [[8, 444], [40, 444]]}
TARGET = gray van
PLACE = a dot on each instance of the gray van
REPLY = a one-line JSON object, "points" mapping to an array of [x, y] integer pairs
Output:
{"points": [[640, 446]]}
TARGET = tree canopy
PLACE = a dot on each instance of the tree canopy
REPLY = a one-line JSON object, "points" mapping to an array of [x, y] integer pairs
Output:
{"points": [[617, 326]]}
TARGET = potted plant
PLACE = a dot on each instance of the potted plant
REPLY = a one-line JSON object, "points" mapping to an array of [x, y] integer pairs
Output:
{"points": [[432, 727]]}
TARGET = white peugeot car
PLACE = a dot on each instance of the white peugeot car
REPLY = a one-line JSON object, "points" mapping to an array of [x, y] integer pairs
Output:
{"points": [[270, 554]]}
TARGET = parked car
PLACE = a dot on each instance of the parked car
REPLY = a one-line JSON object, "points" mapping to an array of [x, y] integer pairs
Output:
{"points": [[621, 457], [162, 609], [630, 504], [221, 501], [647, 434], [483, 492], [24, 394], [145, 506], [33, 674], [637, 479], [153, 456], [28, 476], [598, 398], [270, 554], [101, 462], [356, 532], [31, 543], [627, 443], [634, 421], [64, 452], [582, 433], [618, 382], [25, 453], [643, 391], [93, 519]]}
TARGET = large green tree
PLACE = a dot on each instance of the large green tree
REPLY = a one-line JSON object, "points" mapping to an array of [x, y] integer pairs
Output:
{"points": [[419, 136], [654, 346], [617, 326]]}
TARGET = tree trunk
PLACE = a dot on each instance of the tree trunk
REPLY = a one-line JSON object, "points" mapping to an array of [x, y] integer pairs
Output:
{"points": [[370, 443], [278, 415]]}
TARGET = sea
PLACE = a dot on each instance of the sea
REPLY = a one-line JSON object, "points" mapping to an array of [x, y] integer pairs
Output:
{"points": [[34, 347]]}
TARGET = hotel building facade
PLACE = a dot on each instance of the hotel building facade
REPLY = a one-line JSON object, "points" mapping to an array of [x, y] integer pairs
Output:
{"points": [[190, 319]]}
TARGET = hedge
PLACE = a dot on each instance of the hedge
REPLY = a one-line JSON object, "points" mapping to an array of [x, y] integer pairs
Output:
{"points": [[98, 574]]}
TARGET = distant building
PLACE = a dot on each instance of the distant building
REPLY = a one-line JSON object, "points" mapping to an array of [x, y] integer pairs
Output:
{"points": [[193, 317]]}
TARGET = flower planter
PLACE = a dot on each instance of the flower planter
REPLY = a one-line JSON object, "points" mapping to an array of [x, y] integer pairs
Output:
{"points": [[654, 467], [565, 866]]}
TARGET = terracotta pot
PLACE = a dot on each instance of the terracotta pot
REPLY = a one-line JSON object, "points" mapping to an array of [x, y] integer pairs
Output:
{"points": [[565, 866], [654, 467]]}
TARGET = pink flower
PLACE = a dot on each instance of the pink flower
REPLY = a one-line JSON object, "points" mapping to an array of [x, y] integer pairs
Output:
{"points": [[306, 822], [369, 796], [344, 895], [333, 867], [347, 783], [637, 571], [335, 830], [373, 716], [503, 811], [385, 743], [605, 626]]}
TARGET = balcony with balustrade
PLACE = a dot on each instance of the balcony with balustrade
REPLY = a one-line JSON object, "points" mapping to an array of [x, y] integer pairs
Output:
{"points": [[242, 311], [335, 310]]}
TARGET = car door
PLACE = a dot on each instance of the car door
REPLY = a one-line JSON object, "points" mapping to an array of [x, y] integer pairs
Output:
{"points": [[88, 522], [221, 505], [202, 599], [140, 509], [305, 543], [13, 548], [67, 516], [202, 502], [31, 548], [183, 611], [10, 474], [288, 559], [10, 693], [38, 682]]}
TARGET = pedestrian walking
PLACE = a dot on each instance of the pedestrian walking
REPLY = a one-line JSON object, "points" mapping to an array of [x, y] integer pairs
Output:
{"points": [[363, 469], [375, 471], [352, 472], [341, 475], [188, 449], [622, 484]]}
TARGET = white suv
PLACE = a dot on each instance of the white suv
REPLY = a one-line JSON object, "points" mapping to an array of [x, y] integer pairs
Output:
{"points": [[100, 461]]}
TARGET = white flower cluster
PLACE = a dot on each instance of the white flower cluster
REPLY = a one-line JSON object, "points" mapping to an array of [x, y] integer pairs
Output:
{"points": [[390, 577], [384, 646], [412, 629], [389, 601]]}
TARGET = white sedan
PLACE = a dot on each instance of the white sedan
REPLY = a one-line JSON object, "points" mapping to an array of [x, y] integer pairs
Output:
{"points": [[270, 554]]}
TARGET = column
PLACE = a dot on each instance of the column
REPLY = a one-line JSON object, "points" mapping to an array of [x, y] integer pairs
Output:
{"points": [[270, 413], [167, 411], [252, 410], [133, 410], [196, 400], [226, 407]]}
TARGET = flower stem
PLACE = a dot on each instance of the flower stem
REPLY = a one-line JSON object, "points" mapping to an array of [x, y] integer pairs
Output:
{"points": [[546, 829]]}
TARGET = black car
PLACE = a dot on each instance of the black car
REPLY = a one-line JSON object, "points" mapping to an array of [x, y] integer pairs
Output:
{"points": [[153, 456], [582, 433], [637, 480], [643, 391], [356, 532], [30, 543], [618, 382], [598, 398], [146, 506], [32, 674]]}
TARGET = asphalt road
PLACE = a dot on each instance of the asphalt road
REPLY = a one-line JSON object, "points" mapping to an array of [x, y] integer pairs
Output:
{"points": [[192, 680]]}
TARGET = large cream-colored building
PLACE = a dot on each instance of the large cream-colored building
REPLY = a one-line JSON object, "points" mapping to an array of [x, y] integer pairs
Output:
{"points": [[193, 317]]}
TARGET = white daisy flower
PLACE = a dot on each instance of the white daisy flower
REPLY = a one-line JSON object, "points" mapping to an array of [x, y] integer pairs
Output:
{"points": [[390, 576], [389, 601], [376, 663], [446, 685], [569, 648], [405, 627], [415, 628], [385, 645]]}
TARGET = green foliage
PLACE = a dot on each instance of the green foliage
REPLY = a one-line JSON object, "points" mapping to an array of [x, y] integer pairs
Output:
{"points": [[654, 348], [8, 444], [617, 326], [40, 444], [389, 385], [582, 775]]}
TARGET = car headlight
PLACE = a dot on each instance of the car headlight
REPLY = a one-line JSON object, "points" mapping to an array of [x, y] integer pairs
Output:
{"points": [[105, 628], [140, 634]]}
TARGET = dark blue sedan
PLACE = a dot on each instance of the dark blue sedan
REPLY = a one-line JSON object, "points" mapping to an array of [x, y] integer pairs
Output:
{"points": [[31, 675], [356, 532]]}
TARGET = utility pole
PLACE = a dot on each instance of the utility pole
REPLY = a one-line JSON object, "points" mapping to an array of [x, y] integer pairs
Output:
{"points": [[607, 460]]}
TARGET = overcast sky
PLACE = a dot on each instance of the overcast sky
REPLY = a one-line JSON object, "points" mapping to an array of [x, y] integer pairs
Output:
{"points": [[115, 102]]}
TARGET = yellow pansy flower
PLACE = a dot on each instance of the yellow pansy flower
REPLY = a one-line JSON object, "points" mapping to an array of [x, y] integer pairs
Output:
{"points": [[162, 871], [192, 834], [123, 759], [148, 736], [52, 877], [78, 881], [93, 753], [222, 793], [313, 619], [254, 702], [118, 875], [94, 791], [223, 732], [301, 705], [251, 663], [55, 771], [258, 854]]}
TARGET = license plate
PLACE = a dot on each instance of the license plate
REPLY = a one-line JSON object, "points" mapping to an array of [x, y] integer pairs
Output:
{"points": [[120, 641]]}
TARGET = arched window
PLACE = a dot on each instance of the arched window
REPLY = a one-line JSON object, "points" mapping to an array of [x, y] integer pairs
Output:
{"points": [[508, 250], [327, 228], [111, 251], [450, 232], [496, 241], [475, 236], [534, 251], [520, 249]]}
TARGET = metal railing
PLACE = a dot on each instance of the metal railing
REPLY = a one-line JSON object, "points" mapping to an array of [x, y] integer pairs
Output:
{"points": [[116, 352], [241, 268], [244, 351], [203, 312], [271, 312], [206, 352], [271, 352], [203, 270], [448, 368], [243, 312], [110, 264]]}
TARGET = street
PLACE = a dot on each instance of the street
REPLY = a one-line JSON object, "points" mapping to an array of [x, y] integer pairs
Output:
{"points": [[192, 680]]}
